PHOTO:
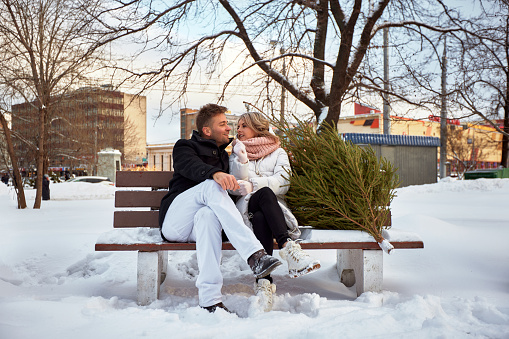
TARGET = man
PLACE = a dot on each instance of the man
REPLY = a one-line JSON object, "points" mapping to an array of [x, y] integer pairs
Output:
{"points": [[197, 206], [45, 187]]}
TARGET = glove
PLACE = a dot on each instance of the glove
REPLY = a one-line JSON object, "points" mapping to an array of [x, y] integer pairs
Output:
{"points": [[246, 187], [240, 150]]}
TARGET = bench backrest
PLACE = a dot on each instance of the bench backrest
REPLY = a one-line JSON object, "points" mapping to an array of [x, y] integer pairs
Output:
{"points": [[157, 183], [152, 188]]}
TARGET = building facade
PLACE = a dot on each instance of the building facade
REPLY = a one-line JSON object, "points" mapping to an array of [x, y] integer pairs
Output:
{"points": [[160, 157], [470, 145], [135, 130], [80, 124]]}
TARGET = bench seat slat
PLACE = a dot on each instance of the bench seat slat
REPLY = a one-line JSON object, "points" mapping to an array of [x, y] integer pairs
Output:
{"points": [[175, 246], [144, 239]]}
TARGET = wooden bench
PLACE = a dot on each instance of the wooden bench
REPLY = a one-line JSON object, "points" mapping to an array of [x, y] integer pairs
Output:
{"points": [[359, 258]]}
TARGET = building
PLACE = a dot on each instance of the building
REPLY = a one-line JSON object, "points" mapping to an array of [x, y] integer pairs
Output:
{"points": [[360, 109], [413, 157], [160, 156], [80, 124], [187, 122], [373, 123], [471, 145], [135, 133]]}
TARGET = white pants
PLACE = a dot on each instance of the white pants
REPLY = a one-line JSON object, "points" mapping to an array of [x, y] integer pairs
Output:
{"points": [[198, 215]]}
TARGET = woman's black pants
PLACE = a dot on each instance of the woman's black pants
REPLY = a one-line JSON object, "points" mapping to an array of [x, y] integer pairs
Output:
{"points": [[268, 219]]}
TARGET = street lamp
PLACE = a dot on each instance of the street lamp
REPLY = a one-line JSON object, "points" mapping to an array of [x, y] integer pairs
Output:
{"points": [[282, 51]]}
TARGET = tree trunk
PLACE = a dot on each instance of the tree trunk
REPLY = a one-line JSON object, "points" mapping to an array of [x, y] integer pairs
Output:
{"points": [[318, 79], [335, 99], [505, 138], [17, 178], [40, 158]]}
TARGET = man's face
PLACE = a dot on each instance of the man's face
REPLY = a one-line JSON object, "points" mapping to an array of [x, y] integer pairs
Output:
{"points": [[218, 130]]}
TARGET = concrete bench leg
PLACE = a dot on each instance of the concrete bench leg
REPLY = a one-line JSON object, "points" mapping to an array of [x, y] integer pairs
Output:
{"points": [[149, 276], [163, 264], [364, 268]]}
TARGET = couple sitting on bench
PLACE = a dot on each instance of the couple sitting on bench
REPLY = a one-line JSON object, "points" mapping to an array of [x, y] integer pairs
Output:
{"points": [[198, 207]]}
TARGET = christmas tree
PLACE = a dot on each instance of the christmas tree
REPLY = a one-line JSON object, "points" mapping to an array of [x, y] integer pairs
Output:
{"points": [[335, 184]]}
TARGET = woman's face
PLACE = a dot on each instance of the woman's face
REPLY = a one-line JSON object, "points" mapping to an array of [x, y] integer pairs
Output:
{"points": [[244, 132]]}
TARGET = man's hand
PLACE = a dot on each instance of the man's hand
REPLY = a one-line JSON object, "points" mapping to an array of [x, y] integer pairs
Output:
{"points": [[227, 181], [246, 187], [240, 150]]}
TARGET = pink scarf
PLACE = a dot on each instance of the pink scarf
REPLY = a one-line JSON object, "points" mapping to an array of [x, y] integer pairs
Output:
{"points": [[259, 147]]}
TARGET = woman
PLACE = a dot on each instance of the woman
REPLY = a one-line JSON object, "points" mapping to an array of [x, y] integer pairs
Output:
{"points": [[262, 167]]}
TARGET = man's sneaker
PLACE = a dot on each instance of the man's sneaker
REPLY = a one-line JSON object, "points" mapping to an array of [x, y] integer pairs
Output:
{"points": [[265, 290], [299, 262], [262, 264], [213, 308]]}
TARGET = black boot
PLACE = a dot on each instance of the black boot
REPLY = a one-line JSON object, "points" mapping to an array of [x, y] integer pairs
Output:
{"points": [[213, 308], [262, 264]]}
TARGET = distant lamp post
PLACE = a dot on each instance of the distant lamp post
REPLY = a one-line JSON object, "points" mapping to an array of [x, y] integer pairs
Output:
{"points": [[471, 141], [443, 114], [282, 51], [385, 95]]}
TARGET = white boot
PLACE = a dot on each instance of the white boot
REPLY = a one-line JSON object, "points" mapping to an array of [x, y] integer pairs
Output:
{"points": [[265, 291], [299, 262]]}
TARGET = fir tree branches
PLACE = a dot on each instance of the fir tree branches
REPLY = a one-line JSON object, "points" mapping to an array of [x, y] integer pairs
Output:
{"points": [[336, 184]]}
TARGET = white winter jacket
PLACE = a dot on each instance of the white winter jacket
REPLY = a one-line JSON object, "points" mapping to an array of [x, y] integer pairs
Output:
{"points": [[269, 171]]}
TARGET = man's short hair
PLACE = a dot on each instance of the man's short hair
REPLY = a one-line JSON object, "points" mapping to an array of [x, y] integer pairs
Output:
{"points": [[206, 113]]}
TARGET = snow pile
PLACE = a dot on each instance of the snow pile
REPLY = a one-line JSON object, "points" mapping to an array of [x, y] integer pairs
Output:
{"points": [[54, 285], [4, 189], [453, 185], [131, 236]]}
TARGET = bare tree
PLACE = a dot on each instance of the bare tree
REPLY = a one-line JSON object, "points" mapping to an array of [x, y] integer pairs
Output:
{"points": [[15, 173], [458, 151], [323, 44], [480, 78], [45, 47], [472, 144]]}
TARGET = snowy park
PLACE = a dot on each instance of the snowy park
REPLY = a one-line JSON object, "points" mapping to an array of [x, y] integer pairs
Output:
{"points": [[54, 285]]}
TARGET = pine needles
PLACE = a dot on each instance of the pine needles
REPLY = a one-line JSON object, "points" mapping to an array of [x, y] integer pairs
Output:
{"points": [[336, 184]]}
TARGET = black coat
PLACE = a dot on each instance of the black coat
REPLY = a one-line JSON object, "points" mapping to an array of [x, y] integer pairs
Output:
{"points": [[194, 161]]}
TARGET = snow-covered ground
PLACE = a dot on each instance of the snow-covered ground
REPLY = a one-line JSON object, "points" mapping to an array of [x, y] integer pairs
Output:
{"points": [[54, 285]]}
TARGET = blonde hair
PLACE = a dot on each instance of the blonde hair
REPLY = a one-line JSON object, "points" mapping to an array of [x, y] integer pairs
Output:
{"points": [[258, 123]]}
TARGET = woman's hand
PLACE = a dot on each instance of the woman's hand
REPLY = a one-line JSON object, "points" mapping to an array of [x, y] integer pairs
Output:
{"points": [[246, 187], [240, 150]]}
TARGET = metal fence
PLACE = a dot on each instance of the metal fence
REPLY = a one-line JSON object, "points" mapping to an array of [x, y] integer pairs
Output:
{"points": [[416, 157]]}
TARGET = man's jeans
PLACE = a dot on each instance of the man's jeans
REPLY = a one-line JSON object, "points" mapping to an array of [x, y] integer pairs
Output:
{"points": [[198, 215]]}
